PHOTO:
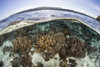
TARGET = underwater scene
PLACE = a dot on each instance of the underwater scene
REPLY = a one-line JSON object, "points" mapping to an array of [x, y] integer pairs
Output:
{"points": [[54, 43]]}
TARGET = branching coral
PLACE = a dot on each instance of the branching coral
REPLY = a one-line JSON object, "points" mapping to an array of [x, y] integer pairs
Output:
{"points": [[45, 43], [26, 61], [63, 64], [20, 32], [22, 45], [76, 48], [49, 42]]}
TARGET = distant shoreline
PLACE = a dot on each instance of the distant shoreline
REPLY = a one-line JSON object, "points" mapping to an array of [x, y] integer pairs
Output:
{"points": [[49, 8]]}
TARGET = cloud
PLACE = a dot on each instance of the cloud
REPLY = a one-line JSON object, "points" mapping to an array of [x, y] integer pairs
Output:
{"points": [[84, 6], [93, 7]]}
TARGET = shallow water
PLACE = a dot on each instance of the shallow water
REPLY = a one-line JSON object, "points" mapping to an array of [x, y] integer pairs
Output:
{"points": [[12, 54]]}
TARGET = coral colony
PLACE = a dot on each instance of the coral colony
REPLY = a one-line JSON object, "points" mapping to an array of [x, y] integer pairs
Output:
{"points": [[56, 43]]}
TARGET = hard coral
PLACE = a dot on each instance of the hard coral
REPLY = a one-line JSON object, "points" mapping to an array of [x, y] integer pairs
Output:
{"points": [[20, 32], [63, 64], [16, 62], [60, 38], [45, 43], [26, 61], [22, 45], [76, 48], [49, 44]]}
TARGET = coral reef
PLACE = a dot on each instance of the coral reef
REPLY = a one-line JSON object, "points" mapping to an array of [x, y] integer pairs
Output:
{"points": [[7, 49], [56, 44], [63, 64], [72, 63], [39, 65], [16, 62], [66, 32], [49, 44], [22, 45], [76, 48], [20, 32], [48, 55], [45, 43], [26, 61], [60, 38]]}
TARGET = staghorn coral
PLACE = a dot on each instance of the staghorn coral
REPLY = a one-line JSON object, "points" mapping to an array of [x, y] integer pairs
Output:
{"points": [[45, 43], [22, 45], [76, 48]]}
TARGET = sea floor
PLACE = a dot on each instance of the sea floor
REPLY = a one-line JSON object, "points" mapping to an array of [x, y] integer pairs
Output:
{"points": [[56, 43]]}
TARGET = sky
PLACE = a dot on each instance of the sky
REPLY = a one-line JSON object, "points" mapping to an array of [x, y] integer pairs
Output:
{"points": [[89, 7]]}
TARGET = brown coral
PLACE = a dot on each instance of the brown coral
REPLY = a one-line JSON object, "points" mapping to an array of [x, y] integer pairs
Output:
{"points": [[63, 64], [45, 43], [22, 45], [20, 32], [49, 42], [26, 61], [72, 63], [60, 38], [76, 48]]}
